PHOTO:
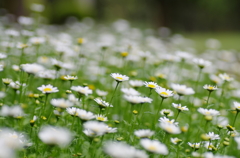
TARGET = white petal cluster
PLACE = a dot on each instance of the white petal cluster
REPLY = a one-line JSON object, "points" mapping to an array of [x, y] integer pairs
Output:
{"points": [[151, 85], [55, 136], [102, 103], [118, 77], [210, 88], [82, 90], [170, 128], [46, 89], [143, 133], [12, 111], [180, 107], [95, 128], [164, 93], [154, 146], [123, 150], [208, 112], [32, 68], [182, 89], [136, 83], [225, 77], [130, 91], [137, 99], [62, 103], [213, 136], [201, 63]]}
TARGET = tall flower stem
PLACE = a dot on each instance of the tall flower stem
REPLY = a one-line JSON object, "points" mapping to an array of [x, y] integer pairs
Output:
{"points": [[44, 105], [156, 115], [114, 92], [150, 92], [177, 115], [235, 118], [208, 97]]}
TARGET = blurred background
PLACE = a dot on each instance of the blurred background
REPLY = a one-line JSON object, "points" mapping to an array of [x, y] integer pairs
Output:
{"points": [[193, 18]]}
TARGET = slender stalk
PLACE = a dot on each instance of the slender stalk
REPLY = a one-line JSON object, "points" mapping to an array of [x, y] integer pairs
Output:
{"points": [[208, 97], [156, 115], [235, 118], [114, 92], [177, 115], [150, 92]]}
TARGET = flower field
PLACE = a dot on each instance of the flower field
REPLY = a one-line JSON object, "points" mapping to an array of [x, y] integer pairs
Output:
{"points": [[90, 90]]}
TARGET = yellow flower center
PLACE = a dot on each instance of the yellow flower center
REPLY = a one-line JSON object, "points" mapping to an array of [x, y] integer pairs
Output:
{"points": [[164, 93], [47, 89], [124, 54], [169, 129], [151, 86], [211, 88], [100, 118], [152, 148], [120, 78]]}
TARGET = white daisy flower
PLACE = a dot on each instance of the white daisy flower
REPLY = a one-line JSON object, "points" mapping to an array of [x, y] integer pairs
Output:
{"points": [[213, 136], [225, 77], [62, 103], [201, 63], [37, 40], [122, 150], [102, 103], [154, 146], [210, 88], [236, 105], [164, 93], [101, 93], [47, 89], [12, 111], [194, 145], [143, 133], [167, 120], [84, 115], [101, 118], [118, 77], [182, 89], [70, 78], [137, 99], [95, 128], [151, 85], [180, 107], [208, 112], [32, 68], [72, 111], [82, 90], [170, 128], [136, 83], [176, 140], [130, 91], [166, 112], [55, 136]]}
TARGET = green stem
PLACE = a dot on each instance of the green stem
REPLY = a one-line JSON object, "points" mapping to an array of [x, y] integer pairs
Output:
{"points": [[114, 92], [235, 118], [198, 78], [156, 115], [208, 97], [177, 115]]}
